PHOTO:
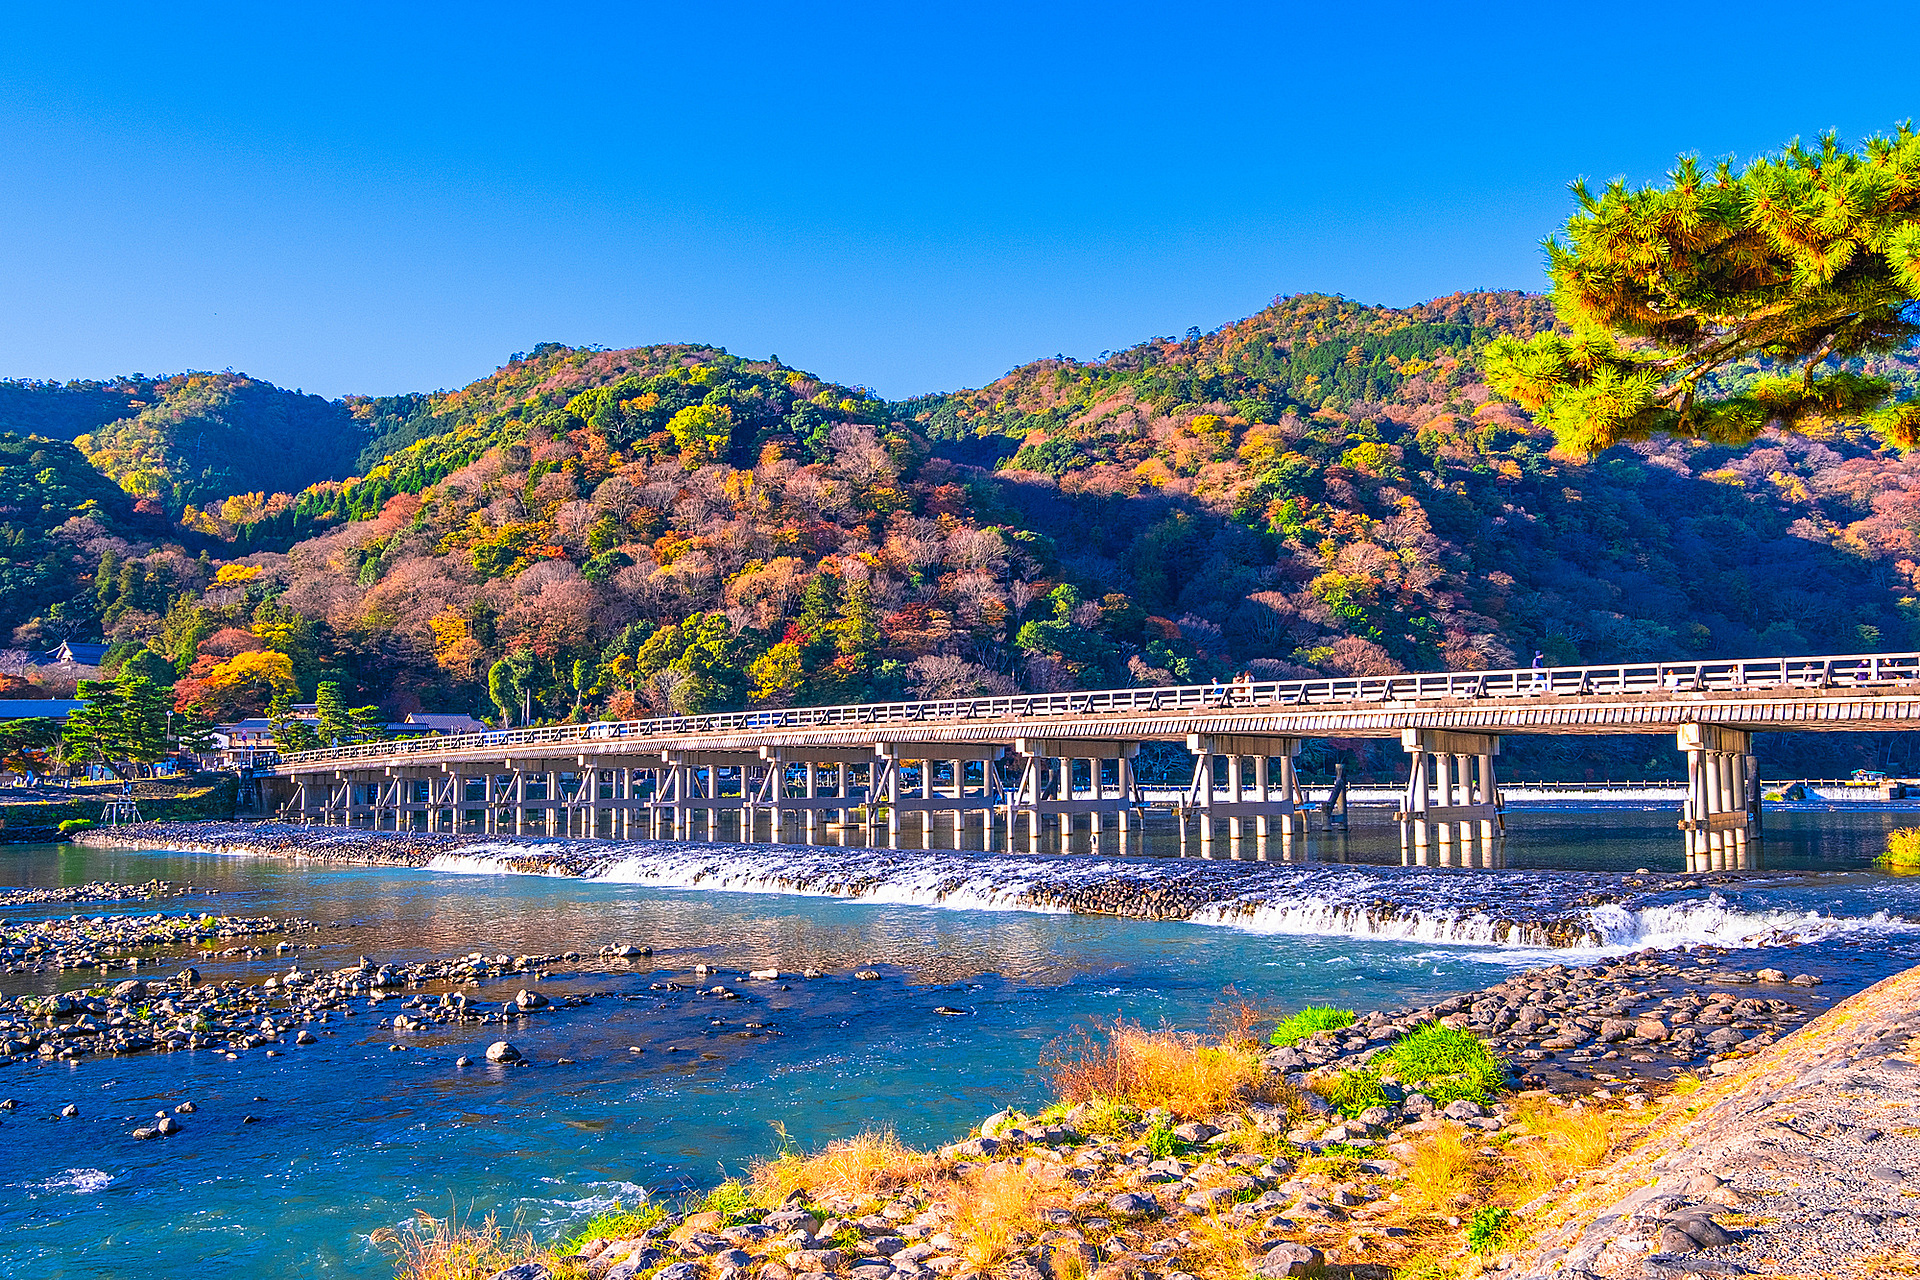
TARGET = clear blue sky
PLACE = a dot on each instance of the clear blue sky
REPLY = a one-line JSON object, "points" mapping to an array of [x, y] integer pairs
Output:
{"points": [[913, 196]]}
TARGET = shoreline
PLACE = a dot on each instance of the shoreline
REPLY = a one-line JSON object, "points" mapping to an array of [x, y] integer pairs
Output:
{"points": [[1291, 1181]]}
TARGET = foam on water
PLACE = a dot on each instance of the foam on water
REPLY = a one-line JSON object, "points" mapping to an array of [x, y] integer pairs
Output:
{"points": [[1526, 913], [79, 1182]]}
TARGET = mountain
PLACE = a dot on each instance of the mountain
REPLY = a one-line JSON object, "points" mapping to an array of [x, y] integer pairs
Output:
{"points": [[1324, 486]]}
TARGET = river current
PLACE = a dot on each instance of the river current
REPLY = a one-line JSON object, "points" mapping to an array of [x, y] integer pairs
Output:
{"points": [[667, 1091]]}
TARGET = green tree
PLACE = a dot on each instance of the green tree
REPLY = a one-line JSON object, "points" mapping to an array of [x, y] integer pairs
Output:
{"points": [[335, 725], [192, 729], [119, 722], [703, 432], [290, 732], [1800, 263]]}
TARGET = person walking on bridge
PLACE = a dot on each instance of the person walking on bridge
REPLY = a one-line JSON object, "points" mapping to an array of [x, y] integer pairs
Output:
{"points": [[1539, 669]]}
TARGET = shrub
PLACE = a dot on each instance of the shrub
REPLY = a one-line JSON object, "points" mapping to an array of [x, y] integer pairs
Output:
{"points": [[1489, 1229], [1170, 1069], [71, 825], [1446, 1064], [615, 1224], [1314, 1018], [1163, 1142], [1903, 850]]}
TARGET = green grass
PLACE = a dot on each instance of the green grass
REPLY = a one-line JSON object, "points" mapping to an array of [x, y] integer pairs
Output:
{"points": [[1352, 1092], [1109, 1117], [1445, 1064], [71, 825], [1489, 1229], [847, 1240], [1903, 850], [732, 1200], [1338, 1160], [1162, 1141], [1313, 1018], [615, 1224]]}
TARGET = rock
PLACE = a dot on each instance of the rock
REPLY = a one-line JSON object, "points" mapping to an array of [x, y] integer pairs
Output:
{"points": [[1650, 1029], [1615, 1029], [69, 1111], [1133, 1204], [1210, 1198], [463, 1061], [867, 975], [801, 1261], [168, 1126], [973, 1149], [1194, 1131], [186, 1108], [788, 1220], [1702, 1230], [992, 1126], [678, 1271], [764, 975], [732, 1258], [1803, 980], [1770, 975], [131, 989], [502, 1051], [306, 1037], [145, 1133], [1463, 1109], [1673, 1240], [1289, 1259], [524, 1271], [530, 1000]]}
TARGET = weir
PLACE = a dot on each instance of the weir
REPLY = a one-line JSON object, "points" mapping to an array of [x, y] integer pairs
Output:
{"points": [[1013, 766]]}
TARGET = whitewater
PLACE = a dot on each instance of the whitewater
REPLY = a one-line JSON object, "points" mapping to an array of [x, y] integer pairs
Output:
{"points": [[1525, 912]]}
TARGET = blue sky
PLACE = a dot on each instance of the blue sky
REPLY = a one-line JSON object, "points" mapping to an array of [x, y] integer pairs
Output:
{"points": [[911, 197]]}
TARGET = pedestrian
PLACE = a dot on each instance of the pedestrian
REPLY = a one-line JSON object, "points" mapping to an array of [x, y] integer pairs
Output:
{"points": [[1539, 669]]}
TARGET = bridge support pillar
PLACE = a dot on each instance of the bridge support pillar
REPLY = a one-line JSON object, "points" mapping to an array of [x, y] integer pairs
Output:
{"points": [[1263, 799], [1045, 787], [1716, 819], [1444, 834]]}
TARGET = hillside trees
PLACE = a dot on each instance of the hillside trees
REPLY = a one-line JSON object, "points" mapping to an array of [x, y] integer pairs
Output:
{"points": [[1808, 261]]}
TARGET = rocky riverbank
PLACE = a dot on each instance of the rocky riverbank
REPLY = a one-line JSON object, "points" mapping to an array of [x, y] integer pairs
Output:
{"points": [[1803, 1160], [1303, 1173], [97, 891]]}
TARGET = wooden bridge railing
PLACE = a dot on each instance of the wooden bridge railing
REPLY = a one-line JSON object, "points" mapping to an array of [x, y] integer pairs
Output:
{"points": [[1722, 675]]}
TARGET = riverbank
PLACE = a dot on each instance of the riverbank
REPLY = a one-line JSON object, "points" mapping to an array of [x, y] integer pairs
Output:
{"points": [[1388, 1147], [33, 815]]}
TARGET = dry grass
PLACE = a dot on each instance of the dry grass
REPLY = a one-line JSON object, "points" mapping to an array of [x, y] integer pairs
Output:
{"points": [[1569, 1141], [1239, 1022], [430, 1248], [856, 1169], [1220, 1249], [1171, 1069], [997, 1204], [1441, 1172]]}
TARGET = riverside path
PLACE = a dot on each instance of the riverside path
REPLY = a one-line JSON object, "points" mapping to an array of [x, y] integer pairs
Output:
{"points": [[1054, 757]]}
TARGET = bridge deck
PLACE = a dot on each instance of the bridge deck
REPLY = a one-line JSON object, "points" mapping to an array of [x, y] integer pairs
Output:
{"points": [[1867, 692]]}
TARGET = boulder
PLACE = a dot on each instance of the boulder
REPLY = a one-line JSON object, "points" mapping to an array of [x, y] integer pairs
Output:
{"points": [[1133, 1204], [1289, 1259], [502, 1051]]}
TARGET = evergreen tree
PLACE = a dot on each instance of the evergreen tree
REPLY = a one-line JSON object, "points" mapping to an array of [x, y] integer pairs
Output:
{"points": [[1801, 262], [92, 731], [335, 719], [290, 732], [500, 690]]}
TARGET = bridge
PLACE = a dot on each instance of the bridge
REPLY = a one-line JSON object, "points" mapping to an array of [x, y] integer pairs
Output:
{"points": [[1061, 757]]}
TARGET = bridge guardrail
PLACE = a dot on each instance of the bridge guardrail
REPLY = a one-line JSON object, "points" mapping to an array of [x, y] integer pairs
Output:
{"points": [[1727, 676]]}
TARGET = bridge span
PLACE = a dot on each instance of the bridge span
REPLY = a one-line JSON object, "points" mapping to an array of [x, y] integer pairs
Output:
{"points": [[986, 762]]}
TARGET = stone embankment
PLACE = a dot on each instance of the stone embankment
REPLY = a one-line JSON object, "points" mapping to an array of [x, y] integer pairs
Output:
{"points": [[1804, 1161], [1437, 904]]}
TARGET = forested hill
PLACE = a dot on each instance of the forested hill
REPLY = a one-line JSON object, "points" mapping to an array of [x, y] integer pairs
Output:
{"points": [[1324, 486], [193, 436]]}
